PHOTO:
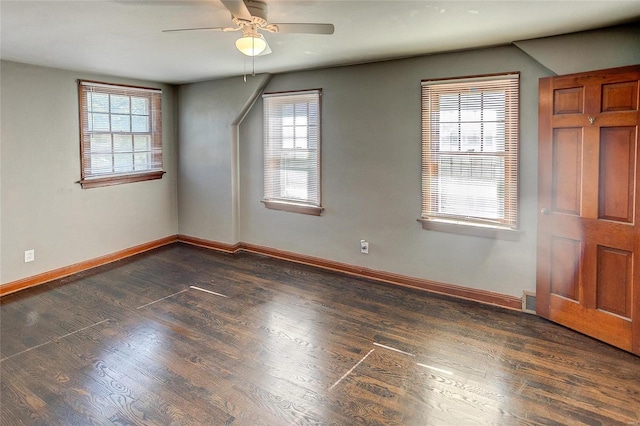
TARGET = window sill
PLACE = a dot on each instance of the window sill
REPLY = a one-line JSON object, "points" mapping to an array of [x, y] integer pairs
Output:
{"points": [[293, 207], [120, 179], [474, 229]]}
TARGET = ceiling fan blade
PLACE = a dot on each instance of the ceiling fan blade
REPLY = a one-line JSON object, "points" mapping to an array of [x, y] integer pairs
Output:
{"points": [[237, 8], [303, 28], [202, 29]]}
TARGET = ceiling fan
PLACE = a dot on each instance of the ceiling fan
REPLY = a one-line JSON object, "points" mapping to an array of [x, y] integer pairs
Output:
{"points": [[250, 17]]}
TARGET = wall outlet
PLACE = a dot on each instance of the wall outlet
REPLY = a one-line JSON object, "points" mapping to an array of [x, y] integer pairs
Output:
{"points": [[29, 256], [364, 247]]}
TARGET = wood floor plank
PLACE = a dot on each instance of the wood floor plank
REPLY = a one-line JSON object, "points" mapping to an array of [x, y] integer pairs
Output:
{"points": [[286, 344], [141, 370]]}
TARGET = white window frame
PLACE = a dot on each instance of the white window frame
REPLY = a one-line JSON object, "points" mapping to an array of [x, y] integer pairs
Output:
{"points": [[450, 201], [119, 143], [292, 151]]}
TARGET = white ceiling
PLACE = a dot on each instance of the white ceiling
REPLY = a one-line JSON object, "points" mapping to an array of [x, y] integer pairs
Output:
{"points": [[124, 37]]}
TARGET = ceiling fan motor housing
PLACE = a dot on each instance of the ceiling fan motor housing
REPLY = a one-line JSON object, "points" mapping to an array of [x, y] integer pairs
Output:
{"points": [[258, 12]]}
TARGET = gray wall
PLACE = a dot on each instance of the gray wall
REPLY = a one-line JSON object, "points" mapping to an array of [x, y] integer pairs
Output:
{"points": [[42, 206], [371, 175], [208, 184], [371, 164]]}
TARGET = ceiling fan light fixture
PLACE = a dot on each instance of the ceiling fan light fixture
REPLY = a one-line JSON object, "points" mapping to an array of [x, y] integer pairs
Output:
{"points": [[251, 44]]}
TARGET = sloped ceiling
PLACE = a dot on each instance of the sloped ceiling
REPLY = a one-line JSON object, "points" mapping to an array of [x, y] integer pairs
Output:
{"points": [[589, 50]]}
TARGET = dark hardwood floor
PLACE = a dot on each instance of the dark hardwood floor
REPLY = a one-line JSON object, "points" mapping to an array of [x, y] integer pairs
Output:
{"points": [[186, 336]]}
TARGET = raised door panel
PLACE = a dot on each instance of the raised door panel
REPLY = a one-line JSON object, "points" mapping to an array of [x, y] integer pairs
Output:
{"points": [[567, 171], [617, 174], [565, 261], [568, 101], [620, 96], [614, 281]]}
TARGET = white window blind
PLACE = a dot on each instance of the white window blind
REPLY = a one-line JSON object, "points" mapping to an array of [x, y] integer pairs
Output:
{"points": [[121, 133], [292, 147], [470, 150]]}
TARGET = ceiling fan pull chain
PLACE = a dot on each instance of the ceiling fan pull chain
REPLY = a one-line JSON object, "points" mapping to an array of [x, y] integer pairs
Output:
{"points": [[244, 69], [253, 58]]}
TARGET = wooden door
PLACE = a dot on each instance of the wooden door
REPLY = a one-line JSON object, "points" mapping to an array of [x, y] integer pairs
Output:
{"points": [[588, 265]]}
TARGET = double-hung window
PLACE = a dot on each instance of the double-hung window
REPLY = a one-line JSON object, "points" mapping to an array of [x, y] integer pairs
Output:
{"points": [[120, 134], [470, 155], [292, 151]]}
